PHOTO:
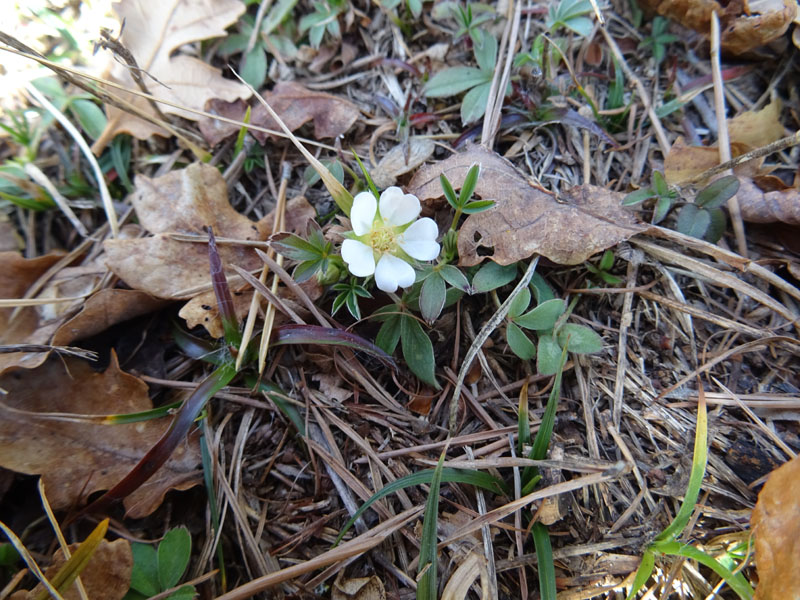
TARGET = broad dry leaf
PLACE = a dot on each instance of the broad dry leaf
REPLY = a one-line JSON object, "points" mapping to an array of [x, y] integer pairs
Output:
{"points": [[684, 162], [185, 201], [76, 459], [525, 219], [757, 128], [776, 527], [17, 274], [107, 575], [745, 25], [154, 30], [104, 309], [402, 159], [203, 310], [295, 104], [358, 588]]}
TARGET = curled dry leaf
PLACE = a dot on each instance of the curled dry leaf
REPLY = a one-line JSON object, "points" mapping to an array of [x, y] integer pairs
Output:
{"points": [[402, 159], [75, 458], [202, 310], [358, 588], [776, 527], [525, 219], [187, 202], [758, 206], [745, 25], [17, 274], [107, 575], [296, 105], [154, 30]]}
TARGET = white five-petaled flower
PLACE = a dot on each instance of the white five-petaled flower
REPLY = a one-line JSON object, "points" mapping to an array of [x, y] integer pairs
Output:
{"points": [[387, 236]]}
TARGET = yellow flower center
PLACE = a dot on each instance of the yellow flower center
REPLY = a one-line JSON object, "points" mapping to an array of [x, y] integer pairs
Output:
{"points": [[382, 238]]}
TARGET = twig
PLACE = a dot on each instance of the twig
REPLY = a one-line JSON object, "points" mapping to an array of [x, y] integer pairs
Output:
{"points": [[722, 128]]}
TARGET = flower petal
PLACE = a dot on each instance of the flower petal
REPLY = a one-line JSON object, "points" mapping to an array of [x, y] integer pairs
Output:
{"points": [[419, 240], [398, 208], [363, 212], [359, 258], [391, 272]]}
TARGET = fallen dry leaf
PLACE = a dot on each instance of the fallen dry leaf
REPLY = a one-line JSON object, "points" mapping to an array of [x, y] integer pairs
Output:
{"points": [[104, 309], [776, 526], [744, 25], [154, 30], [107, 575], [758, 206], [17, 274], [295, 104], [76, 459], [526, 220], [402, 159], [184, 201], [203, 310], [757, 128], [358, 588]]}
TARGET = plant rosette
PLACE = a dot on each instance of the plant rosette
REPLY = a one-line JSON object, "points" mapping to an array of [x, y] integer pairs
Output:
{"points": [[387, 238]]}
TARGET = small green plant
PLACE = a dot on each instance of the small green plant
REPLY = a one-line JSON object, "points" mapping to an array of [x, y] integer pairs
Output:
{"points": [[468, 18], [658, 39], [601, 270], [478, 80], [324, 18], [156, 571], [255, 48], [571, 14], [703, 218]]}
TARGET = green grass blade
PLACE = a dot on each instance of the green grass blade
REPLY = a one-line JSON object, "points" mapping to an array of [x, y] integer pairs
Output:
{"points": [[736, 581], [427, 584], [449, 475], [544, 561], [642, 573], [695, 478]]}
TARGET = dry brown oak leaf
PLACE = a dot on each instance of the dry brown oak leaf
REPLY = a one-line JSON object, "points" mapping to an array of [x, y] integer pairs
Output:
{"points": [[154, 30], [186, 201], [745, 25], [17, 274], [295, 104], [525, 219], [776, 527], [75, 458], [107, 575]]}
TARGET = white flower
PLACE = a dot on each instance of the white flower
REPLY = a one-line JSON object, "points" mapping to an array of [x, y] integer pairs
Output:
{"points": [[386, 237]]}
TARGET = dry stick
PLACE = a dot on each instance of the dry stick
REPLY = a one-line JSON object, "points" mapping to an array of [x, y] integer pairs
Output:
{"points": [[39, 177], [111, 214], [494, 104], [663, 142], [488, 549], [625, 323], [355, 547], [722, 127], [269, 318], [482, 336]]}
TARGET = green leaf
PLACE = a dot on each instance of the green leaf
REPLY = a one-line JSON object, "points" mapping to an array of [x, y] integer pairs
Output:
{"points": [[638, 196], [717, 226], [276, 15], [455, 277], [736, 581], [660, 184], [693, 221], [477, 206], [486, 52], [144, 576], [294, 247], [541, 289], [717, 193], [174, 552], [543, 316], [418, 350], [520, 344], [642, 574], [473, 105], [389, 334], [236, 42], [452, 81], [544, 561], [542, 440], [492, 276], [427, 563], [253, 68], [449, 192], [468, 187], [581, 25], [315, 35], [449, 475], [431, 297], [519, 304], [415, 6], [582, 340], [91, 118], [186, 592], [663, 206], [548, 355]]}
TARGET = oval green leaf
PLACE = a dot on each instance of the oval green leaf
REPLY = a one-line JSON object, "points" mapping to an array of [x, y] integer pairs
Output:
{"points": [[543, 316]]}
